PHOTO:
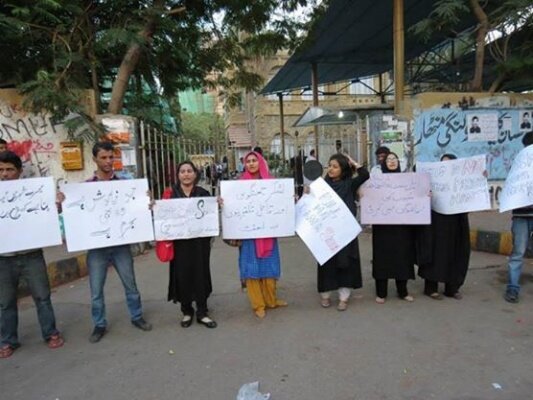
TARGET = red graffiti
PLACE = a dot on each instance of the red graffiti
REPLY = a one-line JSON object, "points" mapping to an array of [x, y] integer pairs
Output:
{"points": [[24, 148]]}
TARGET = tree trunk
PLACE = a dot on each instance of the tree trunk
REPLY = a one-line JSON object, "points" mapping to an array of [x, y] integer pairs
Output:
{"points": [[476, 84], [497, 82], [129, 63]]}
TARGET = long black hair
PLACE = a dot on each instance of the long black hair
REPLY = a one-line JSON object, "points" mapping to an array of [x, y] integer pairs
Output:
{"points": [[384, 168], [344, 163], [449, 156], [188, 162]]}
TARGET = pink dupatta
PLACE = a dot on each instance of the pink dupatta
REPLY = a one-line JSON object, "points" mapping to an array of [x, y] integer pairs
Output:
{"points": [[263, 247]]}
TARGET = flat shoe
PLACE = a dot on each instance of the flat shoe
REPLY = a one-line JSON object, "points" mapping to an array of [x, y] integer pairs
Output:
{"points": [[260, 314], [380, 300], [435, 296], [207, 322], [325, 303], [186, 321], [7, 350], [343, 305], [55, 341], [408, 298]]}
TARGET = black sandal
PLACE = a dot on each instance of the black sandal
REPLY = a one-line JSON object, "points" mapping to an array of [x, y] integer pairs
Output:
{"points": [[186, 321], [209, 323]]}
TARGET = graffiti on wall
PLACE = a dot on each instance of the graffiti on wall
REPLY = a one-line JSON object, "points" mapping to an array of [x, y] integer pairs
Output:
{"points": [[437, 132], [33, 137]]}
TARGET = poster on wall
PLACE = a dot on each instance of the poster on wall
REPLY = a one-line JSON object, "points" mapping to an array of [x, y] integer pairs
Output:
{"points": [[525, 120], [482, 126]]}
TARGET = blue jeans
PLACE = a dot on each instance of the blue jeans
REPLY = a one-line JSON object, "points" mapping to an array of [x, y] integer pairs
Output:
{"points": [[522, 229], [32, 268], [97, 261]]}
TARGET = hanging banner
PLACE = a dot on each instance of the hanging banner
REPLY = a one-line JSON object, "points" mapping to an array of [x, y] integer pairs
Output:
{"points": [[323, 221], [104, 214], [257, 208], [458, 186], [186, 218], [28, 214]]}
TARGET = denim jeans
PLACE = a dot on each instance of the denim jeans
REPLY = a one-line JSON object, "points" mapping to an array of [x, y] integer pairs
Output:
{"points": [[31, 268], [521, 229], [98, 261]]}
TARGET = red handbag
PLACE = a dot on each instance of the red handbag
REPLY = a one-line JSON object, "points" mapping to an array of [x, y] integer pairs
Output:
{"points": [[164, 249]]}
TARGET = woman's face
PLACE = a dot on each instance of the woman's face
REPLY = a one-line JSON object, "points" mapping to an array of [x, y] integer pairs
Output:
{"points": [[334, 170], [186, 175], [252, 164], [391, 162]]}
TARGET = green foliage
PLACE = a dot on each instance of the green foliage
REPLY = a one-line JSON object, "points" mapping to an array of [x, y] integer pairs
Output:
{"points": [[205, 126]]}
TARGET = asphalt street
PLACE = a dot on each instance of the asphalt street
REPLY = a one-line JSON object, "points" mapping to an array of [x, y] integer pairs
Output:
{"points": [[477, 348]]}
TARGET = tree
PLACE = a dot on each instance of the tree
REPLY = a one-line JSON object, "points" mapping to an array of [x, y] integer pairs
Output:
{"points": [[506, 19], [57, 47]]}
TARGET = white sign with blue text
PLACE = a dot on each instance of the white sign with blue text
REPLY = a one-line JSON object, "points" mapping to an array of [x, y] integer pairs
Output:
{"points": [[104, 214], [257, 208], [518, 188]]}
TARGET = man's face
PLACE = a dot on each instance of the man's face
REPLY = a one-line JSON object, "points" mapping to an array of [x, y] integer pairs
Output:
{"points": [[9, 172], [381, 157], [3, 147], [474, 122], [104, 160]]}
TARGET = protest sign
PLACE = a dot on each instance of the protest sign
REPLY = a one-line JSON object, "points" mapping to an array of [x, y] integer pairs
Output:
{"points": [[257, 208], [324, 222], [108, 213], [28, 214], [186, 218], [518, 188], [458, 186], [396, 199]]}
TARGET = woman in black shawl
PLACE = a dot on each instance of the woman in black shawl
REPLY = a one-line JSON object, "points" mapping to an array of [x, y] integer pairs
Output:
{"points": [[342, 272], [394, 251], [190, 276], [449, 241]]}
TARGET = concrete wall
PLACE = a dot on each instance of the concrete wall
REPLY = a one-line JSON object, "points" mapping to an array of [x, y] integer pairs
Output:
{"points": [[36, 138]]}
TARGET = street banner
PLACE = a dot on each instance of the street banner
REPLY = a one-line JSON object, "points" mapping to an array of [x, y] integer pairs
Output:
{"points": [[324, 222], [396, 199], [28, 214], [458, 186], [518, 188], [257, 208], [186, 218], [104, 214]]}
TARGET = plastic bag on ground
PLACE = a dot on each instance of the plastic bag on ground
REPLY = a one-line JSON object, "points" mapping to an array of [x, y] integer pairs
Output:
{"points": [[250, 391]]}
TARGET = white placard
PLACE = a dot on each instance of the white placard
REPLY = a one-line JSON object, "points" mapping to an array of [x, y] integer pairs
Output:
{"points": [[458, 186], [109, 213], [518, 188], [482, 127], [28, 214], [396, 199], [324, 222], [257, 208], [186, 218]]}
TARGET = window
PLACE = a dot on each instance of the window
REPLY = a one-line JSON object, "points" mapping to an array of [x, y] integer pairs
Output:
{"points": [[362, 87]]}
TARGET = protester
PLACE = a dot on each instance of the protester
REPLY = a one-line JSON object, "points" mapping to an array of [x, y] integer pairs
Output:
{"points": [[30, 266], [522, 229], [3, 145], [312, 156], [342, 272], [393, 248], [381, 154], [119, 256], [190, 276], [447, 242], [259, 260]]}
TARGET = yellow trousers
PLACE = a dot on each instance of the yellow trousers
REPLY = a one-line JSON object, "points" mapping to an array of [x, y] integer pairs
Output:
{"points": [[262, 293]]}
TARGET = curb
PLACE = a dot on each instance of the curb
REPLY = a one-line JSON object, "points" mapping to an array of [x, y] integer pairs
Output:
{"points": [[494, 242]]}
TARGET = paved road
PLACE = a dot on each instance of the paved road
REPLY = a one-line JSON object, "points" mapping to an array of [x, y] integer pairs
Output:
{"points": [[425, 350]]}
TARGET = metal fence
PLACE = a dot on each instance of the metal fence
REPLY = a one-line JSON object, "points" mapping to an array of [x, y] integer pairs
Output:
{"points": [[160, 154]]}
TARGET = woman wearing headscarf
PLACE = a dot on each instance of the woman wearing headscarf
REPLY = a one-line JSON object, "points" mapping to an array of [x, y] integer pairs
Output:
{"points": [[259, 260], [448, 238], [342, 272], [190, 275], [393, 248]]}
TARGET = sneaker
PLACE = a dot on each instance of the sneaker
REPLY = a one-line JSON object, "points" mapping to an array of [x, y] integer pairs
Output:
{"points": [[98, 334], [511, 296], [142, 324]]}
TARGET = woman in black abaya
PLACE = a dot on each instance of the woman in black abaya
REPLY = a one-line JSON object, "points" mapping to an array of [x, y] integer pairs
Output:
{"points": [[449, 240], [190, 275], [393, 248]]}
